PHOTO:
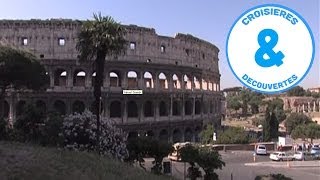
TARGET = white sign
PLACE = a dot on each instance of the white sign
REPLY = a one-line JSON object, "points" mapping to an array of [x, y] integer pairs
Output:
{"points": [[132, 92]]}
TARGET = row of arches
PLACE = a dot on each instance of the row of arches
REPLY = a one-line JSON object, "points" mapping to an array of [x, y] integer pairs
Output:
{"points": [[148, 80], [176, 135], [132, 108]]}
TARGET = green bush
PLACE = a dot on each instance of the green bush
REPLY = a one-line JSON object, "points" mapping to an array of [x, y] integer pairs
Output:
{"points": [[141, 147], [233, 135], [79, 133], [28, 126], [51, 132]]}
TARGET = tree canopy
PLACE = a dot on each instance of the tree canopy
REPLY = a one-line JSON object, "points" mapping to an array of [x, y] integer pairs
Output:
{"points": [[311, 130], [296, 119], [19, 70], [296, 91]]}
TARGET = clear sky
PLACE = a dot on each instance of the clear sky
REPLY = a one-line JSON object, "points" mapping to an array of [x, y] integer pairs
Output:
{"points": [[207, 19]]}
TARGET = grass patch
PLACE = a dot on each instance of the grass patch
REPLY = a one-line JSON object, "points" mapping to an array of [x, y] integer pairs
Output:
{"points": [[31, 162]]}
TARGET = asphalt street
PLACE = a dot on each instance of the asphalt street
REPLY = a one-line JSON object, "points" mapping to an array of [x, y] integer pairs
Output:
{"points": [[240, 166]]}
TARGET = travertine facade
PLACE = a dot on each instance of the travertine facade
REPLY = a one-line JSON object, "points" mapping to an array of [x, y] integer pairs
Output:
{"points": [[179, 77]]}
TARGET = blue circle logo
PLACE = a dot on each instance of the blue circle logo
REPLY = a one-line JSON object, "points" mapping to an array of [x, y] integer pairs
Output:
{"points": [[270, 48]]}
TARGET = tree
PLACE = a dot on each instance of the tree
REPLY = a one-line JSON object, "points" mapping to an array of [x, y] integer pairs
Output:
{"points": [[207, 134], [254, 102], [19, 70], [233, 102], [98, 39], [274, 126], [299, 132], [266, 126], [313, 131], [310, 130], [189, 154], [245, 95], [205, 157], [209, 160], [296, 119], [296, 91], [233, 135], [276, 106]]}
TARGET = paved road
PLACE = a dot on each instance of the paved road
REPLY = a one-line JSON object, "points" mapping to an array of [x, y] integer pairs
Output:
{"points": [[241, 166]]}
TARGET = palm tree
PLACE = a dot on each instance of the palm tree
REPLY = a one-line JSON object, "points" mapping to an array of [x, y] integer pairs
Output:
{"points": [[98, 39]]}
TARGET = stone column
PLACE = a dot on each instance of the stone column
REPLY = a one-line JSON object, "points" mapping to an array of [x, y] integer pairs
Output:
{"points": [[157, 113], [141, 110], [125, 111], [309, 108], [69, 78], [140, 80], [51, 74], [88, 79], [314, 106], [303, 110], [156, 82]]}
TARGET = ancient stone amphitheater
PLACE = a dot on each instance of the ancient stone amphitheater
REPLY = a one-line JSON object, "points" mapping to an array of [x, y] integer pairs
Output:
{"points": [[179, 78]]}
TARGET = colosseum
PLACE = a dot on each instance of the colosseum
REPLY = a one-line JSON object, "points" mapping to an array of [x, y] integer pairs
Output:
{"points": [[177, 79]]}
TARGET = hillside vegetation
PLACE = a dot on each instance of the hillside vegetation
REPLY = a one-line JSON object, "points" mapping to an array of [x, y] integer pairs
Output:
{"points": [[30, 162]]}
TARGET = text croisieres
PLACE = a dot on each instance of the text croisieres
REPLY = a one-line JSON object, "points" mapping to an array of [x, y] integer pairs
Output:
{"points": [[270, 11], [278, 85]]}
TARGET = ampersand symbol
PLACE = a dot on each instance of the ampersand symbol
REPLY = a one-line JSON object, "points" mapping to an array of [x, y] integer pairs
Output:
{"points": [[267, 48]]}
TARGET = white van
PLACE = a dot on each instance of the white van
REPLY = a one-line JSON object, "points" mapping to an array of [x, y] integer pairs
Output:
{"points": [[261, 149]]}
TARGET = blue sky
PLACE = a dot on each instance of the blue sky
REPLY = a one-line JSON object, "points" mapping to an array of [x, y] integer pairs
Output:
{"points": [[206, 19]]}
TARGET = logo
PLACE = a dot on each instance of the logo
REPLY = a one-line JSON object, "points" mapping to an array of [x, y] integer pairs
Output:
{"points": [[270, 48]]}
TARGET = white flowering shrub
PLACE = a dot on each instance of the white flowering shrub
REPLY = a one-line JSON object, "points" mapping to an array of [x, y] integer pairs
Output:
{"points": [[79, 133]]}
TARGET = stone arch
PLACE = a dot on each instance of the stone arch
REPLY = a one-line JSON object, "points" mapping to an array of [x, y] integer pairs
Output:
{"points": [[196, 82], [188, 107], [115, 109], [93, 107], [133, 135], [132, 79], [60, 107], [41, 106], [198, 107], [60, 77], [187, 82], [176, 108], [205, 107], [6, 109], [210, 86], [163, 109], [204, 85], [21, 105], [148, 80], [79, 77], [163, 82], [211, 107], [176, 136], [150, 134], [148, 109], [132, 109], [78, 107], [188, 135], [163, 135], [115, 79], [197, 131], [176, 82]]}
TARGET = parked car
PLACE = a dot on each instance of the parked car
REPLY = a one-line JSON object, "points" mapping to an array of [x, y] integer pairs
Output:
{"points": [[281, 156], [261, 150], [315, 150], [299, 155]]}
